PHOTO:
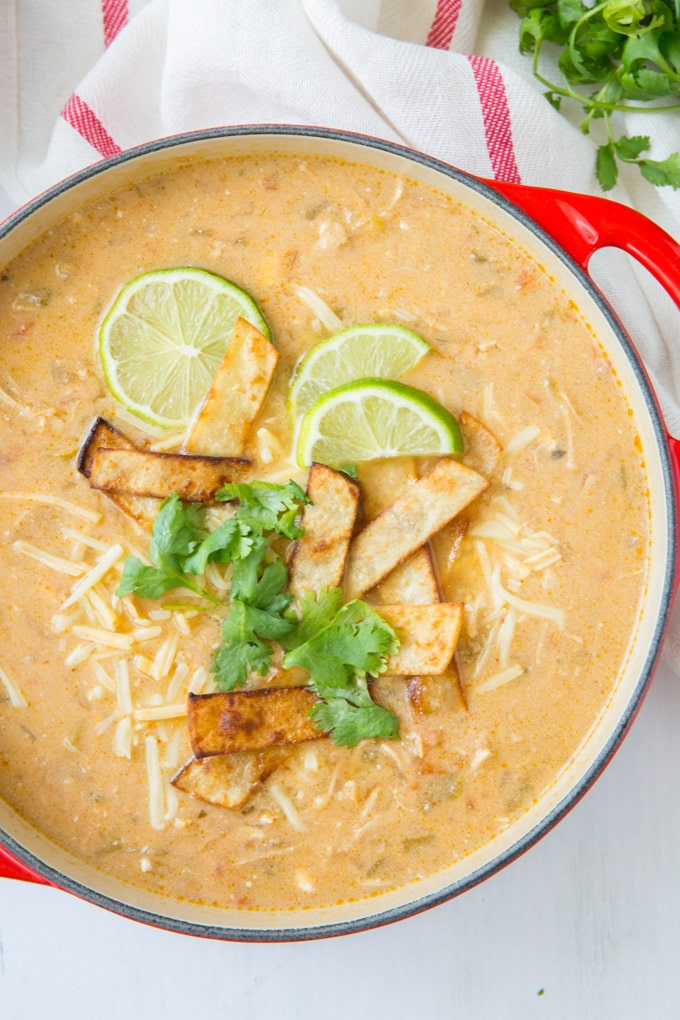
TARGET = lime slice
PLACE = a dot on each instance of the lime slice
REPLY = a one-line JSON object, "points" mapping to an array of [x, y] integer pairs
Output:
{"points": [[379, 350], [164, 338], [371, 418]]}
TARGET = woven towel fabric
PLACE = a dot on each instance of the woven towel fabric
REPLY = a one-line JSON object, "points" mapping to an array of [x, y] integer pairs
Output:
{"points": [[83, 79]]}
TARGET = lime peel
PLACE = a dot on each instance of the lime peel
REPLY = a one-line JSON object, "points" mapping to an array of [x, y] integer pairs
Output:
{"points": [[371, 418]]}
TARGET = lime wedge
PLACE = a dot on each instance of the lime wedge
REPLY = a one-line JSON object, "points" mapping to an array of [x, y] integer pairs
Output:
{"points": [[371, 418], [164, 338], [379, 350]]}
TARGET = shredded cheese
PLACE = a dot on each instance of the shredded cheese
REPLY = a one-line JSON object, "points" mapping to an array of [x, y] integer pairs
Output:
{"points": [[157, 713], [99, 636], [122, 738], [123, 695], [55, 501], [522, 439], [325, 314], [156, 784], [499, 679], [94, 576], [16, 698], [57, 563], [286, 805]]}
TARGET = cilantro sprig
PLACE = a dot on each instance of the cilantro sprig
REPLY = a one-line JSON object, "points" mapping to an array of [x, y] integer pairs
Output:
{"points": [[615, 56], [340, 646]]}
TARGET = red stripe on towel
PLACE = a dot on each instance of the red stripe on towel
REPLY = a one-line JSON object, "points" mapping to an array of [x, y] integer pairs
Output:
{"points": [[88, 125], [114, 17], [496, 115], [444, 24]]}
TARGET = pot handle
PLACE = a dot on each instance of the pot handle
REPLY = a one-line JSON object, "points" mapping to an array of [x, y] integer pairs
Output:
{"points": [[582, 224], [10, 867]]}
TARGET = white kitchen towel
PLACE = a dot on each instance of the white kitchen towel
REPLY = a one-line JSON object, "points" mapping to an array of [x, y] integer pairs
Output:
{"points": [[83, 79]]}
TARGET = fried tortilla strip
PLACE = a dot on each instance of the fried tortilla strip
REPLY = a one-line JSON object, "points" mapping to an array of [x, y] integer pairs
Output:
{"points": [[428, 637], [415, 581], [227, 780], [409, 522], [239, 387], [250, 720], [482, 449], [319, 555], [446, 547], [431, 694], [141, 509], [143, 473]]}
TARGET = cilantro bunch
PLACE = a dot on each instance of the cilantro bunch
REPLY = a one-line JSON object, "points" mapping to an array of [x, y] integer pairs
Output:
{"points": [[615, 56], [339, 645]]}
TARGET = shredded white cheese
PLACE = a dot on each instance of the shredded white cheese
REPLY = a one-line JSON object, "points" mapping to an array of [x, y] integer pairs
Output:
{"points": [[57, 563], [122, 738], [499, 679], [522, 439], [94, 576], [157, 713], [55, 501], [99, 636], [16, 698], [123, 694], [325, 314], [156, 784], [79, 654], [286, 805]]}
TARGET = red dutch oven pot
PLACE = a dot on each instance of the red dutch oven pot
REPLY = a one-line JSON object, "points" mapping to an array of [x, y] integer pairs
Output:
{"points": [[563, 230]]}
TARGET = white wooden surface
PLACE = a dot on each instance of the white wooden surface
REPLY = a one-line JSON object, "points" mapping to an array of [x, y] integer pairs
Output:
{"points": [[585, 926]]}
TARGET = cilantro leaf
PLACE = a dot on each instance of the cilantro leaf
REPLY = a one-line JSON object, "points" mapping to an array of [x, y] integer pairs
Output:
{"points": [[315, 611], [605, 167], [631, 148], [349, 721], [272, 507], [241, 650], [177, 531], [334, 649], [255, 619], [339, 646], [662, 172], [231, 540], [628, 49]]}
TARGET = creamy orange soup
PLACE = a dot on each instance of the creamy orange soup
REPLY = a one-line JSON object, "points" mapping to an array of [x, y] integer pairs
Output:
{"points": [[550, 569]]}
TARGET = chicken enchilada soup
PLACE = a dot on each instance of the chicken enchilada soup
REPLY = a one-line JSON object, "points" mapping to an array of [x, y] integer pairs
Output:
{"points": [[325, 532]]}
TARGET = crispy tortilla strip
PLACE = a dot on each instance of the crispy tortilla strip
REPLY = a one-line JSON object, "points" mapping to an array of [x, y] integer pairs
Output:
{"points": [[227, 780], [431, 694], [446, 546], [240, 385], [141, 509], [143, 473], [428, 636], [250, 720], [415, 581], [482, 449], [319, 555], [419, 512]]}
